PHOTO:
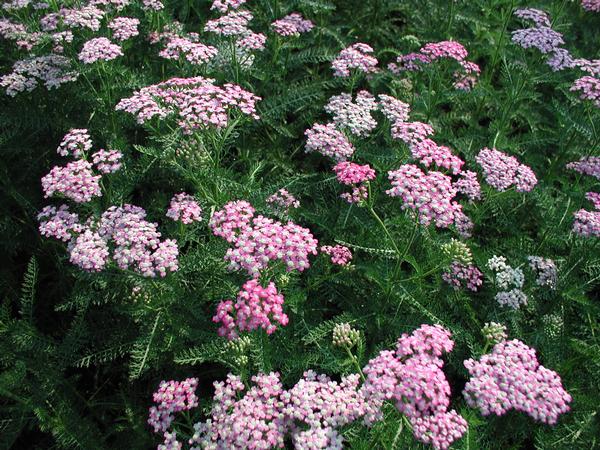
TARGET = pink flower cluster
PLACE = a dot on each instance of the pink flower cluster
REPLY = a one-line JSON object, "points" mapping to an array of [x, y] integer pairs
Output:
{"points": [[356, 176], [353, 116], [193, 51], [197, 103], [394, 110], [328, 141], [124, 28], [428, 151], [412, 376], [256, 307], [75, 143], [58, 223], [461, 274], [225, 5], [545, 270], [170, 398], [99, 49], [510, 377], [282, 201], [502, 171], [587, 223], [339, 254], [444, 50], [292, 25], [428, 194], [184, 208], [89, 251], [468, 185], [357, 56], [234, 23], [107, 161], [258, 240], [589, 88], [537, 16], [75, 181], [588, 165], [591, 5], [411, 132], [52, 70], [252, 41], [544, 38]]}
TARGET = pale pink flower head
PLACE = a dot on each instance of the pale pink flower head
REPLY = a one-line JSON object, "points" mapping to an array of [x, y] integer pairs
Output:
{"points": [[357, 56], [328, 141], [393, 109], [545, 39], [89, 251], [59, 223], [339, 254], [75, 181], [354, 116], [124, 28], [234, 23], [591, 5], [75, 143], [107, 161], [502, 171], [292, 25], [224, 6], [185, 209], [99, 49], [588, 88], [537, 16]]}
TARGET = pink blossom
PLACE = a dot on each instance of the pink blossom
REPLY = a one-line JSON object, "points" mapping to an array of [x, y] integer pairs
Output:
{"points": [[99, 49], [539, 17], [89, 251], [412, 62], [444, 49], [587, 165], [462, 274], [252, 41], [339, 254], [353, 116], [589, 88], [292, 25], [282, 201], [354, 175], [124, 28], [184, 208], [328, 141], [195, 52], [428, 152], [394, 109], [502, 171], [107, 161], [468, 185], [235, 23], [224, 6], [439, 430], [58, 223], [357, 56], [75, 181], [411, 132], [231, 220], [172, 397], [75, 143], [591, 5], [545, 39]]}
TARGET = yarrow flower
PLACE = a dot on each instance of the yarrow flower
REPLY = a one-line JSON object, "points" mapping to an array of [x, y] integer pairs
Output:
{"points": [[591, 5], [99, 49], [589, 88], [234, 23], [185, 209], [339, 254], [124, 28], [292, 25], [357, 56], [588, 165], [510, 377], [353, 116], [393, 109], [345, 336], [561, 59], [282, 201], [194, 52], [354, 175], [252, 41], [58, 223], [587, 223], [107, 161], [444, 49], [468, 185], [461, 274], [494, 332], [75, 181], [428, 152], [256, 307], [502, 171], [89, 251], [196, 102], [545, 270], [170, 398], [411, 132], [544, 38], [457, 251], [328, 141], [75, 143], [52, 70], [225, 5], [229, 221], [412, 62], [537, 16]]}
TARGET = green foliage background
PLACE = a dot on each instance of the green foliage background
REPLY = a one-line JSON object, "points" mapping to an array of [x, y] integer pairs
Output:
{"points": [[80, 356]]}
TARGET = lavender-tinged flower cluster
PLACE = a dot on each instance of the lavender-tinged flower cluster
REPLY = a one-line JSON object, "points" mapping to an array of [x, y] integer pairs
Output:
{"points": [[354, 116], [468, 185], [510, 377], [460, 274], [292, 25], [170, 398], [589, 89], [75, 181], [256, 307], [393, 109], [538, 17], [339, 254], [355, 176], [194, 52], [282, 201], [107, 161], [328, 141], [257, 240], [357, 56], [412, 376], [196, 102], [587, 223], [124, 28], [59, 223], [225, 5], [545, 270], [52, 70], [89, 251], [502, 171], [99, 49], [591, 5], [75, 143], [588, 165], [234, 23], [543, 38], [185, 209], [507, 277]]}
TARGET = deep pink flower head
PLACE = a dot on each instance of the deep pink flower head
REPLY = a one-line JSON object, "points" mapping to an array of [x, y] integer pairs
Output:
{"points": [[445, 49], [233, 218], [510, 377], [357, 56], [350, 173], [439, 430], [172, 397], [339, 254], [411, 132], [429, 152], [502, 171]]}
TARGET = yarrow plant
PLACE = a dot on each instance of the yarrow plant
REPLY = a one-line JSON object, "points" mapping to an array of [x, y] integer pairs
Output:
{"points": [[185, 209], [502, 171]]}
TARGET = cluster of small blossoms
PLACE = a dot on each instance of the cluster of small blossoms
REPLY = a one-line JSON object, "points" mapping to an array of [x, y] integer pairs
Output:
{"points": [[107, 161], [124, 28], [187, 46], [411, 132], [357, 56], [152, 5], [252, 41], [328, 141], [75, 143], [255, 420], [323, 405], [258, 240], [494, 332], [75, 181], [353, 116], [543, 38], [393, 109], [589, 88], [356, 176], [588, 165], [591, 5], [510, 377], [428, 152], [225, 5], [502, 171], [430, 195], [52, 70], [234, 23], [468, 185], [99, 49], [170, 398], [185, 209], [545, 270], [507, 277], [538, 17], [282, 201], [412, 376], [292, 25], [58, 223], [339, 254], [587, 223], [458, 251], [89, 251], [460, 274], [256, 307], [345, 336], [197, 103]]}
